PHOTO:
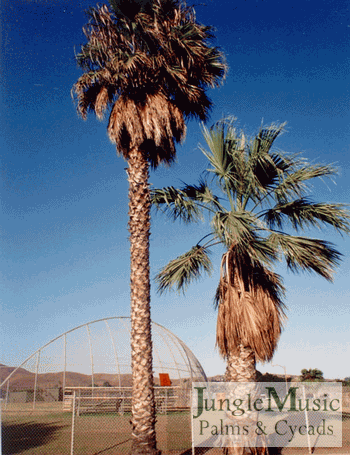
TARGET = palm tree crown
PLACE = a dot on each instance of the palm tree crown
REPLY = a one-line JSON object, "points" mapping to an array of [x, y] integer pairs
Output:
{"points": [[312, 374], [262, 201], [151, 63]]}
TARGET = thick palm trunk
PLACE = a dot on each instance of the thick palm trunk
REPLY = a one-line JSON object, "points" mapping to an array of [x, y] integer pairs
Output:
{"points": [[241, 368], [143, 408]]}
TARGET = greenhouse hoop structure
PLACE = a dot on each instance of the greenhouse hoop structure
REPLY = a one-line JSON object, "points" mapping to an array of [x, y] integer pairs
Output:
{"points": [[92, 363]]}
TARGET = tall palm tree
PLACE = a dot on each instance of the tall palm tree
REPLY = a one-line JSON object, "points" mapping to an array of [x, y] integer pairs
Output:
{"points": [[263, 199], [150, 62]]}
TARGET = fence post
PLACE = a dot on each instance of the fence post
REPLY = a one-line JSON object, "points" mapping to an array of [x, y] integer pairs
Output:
{"points": [[7, 395], [0, 427], [73, 425], [191, 421], [307, 422]]}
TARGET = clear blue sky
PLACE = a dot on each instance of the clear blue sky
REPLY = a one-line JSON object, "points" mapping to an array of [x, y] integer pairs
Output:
{"points": [[64, 239]]}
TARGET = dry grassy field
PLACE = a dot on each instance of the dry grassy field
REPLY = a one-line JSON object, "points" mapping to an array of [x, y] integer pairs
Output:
{"points": [[43, 432], [47, 433]]}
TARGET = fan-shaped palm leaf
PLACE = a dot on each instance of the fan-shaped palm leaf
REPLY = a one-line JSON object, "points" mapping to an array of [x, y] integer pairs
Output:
{"points": [[180, 272], [185, 203], [306, 254], [303, 213]]}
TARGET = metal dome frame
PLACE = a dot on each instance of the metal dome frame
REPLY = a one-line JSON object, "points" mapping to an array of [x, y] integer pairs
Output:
{"points": [[187, 355]]}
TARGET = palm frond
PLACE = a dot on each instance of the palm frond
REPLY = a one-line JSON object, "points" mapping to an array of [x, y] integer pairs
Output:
{"points": [[227, 156], [239, 231], [101, 103], [266, 137], [128, 9], [251, 310], [203, 194], [234, 227], [293, 184], [186, 203], [131, 63], [180, 272], [303, 213], [259, 249], [154, 124], [217, 155], [306, 254], [263, 171], [176, 204]]}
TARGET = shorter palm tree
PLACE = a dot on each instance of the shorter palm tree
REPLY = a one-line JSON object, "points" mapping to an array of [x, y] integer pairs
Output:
{"points": [[263, 199], [312, 374]]}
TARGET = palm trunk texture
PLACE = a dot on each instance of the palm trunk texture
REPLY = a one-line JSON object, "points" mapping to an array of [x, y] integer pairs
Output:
{"points": [[143, 409], [242, 368]]}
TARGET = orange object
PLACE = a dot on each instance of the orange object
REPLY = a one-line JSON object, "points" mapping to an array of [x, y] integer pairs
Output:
{"points": [[164, 379]]}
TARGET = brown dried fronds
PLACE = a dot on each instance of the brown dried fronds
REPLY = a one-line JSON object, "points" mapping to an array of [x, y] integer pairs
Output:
{"points": [[152, 120], [101, 103], [251, 312], [152, 70]]}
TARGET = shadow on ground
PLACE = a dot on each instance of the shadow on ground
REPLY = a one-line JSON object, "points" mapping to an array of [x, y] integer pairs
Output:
{"points": [[112, 447], [17, 438]]}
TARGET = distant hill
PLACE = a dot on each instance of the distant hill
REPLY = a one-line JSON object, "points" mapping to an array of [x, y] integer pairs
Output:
{"points": [[24, 380]]}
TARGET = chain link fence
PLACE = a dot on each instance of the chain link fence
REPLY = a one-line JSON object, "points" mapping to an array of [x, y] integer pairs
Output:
{"points": [[38, 415], [92, 422], [76, 426]]}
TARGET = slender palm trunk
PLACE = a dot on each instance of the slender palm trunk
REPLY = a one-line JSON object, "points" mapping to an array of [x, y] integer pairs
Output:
{"points": [[143, 409]]}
